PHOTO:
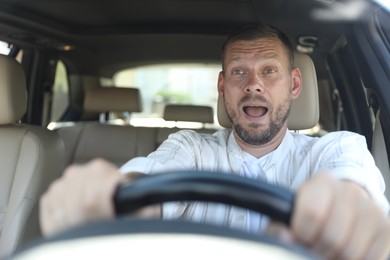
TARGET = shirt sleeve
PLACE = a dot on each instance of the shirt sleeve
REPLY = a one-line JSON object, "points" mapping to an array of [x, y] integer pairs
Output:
{"points": [[348, 158], [175, 153]]}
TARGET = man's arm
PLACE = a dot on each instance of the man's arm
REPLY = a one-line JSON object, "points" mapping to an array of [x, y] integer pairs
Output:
{"points": [[335, 218], [83, 194]]}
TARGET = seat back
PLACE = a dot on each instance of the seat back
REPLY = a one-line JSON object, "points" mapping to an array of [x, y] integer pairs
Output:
{"points": [[112, 99], [30, 159], [304, 113], [116, 143], [189, 113]]}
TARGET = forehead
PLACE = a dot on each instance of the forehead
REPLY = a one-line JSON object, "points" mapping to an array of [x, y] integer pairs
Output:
{"points": [[259, 48]]}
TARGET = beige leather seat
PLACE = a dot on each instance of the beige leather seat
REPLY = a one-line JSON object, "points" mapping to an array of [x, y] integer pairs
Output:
{"points": [[30, 158], [85, 141], [187, 113], [304, 112], [113, 99]]}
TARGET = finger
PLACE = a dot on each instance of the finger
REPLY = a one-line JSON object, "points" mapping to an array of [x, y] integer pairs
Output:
{"points": [[369, 223], [72, 196], [94, 188], [339, 224], [280, 231], [51, 213], [103, 195], [82, 194], [380, 247], [150, 212], [311, 210], [44, 213]]}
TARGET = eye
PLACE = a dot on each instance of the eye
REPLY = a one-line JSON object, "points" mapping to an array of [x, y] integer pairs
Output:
{"points": [[238, 72], [269, 71]]}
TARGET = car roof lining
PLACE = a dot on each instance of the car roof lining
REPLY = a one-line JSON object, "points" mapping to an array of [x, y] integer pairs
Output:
{"points": [[108, 35]]}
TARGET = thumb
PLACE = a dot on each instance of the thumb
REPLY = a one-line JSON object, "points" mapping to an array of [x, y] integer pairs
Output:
{"points": [[281, 232]]}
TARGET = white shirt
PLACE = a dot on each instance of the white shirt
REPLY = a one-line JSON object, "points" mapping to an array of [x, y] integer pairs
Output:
{"points": [[344, 154]]}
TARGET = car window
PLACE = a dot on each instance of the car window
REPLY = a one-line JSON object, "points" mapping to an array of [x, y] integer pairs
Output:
{"points": [[60, 92], [384, 3], [4, 48], [170, 83]]}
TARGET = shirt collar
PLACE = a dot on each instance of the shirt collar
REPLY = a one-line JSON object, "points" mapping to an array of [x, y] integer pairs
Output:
{"points": [[237, 156]]}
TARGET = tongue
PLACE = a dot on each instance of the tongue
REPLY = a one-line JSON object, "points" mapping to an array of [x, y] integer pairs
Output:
{"points": [[255, 111]]}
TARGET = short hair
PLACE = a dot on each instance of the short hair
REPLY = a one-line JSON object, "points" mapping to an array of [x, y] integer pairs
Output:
{"points": [[252, 32]]}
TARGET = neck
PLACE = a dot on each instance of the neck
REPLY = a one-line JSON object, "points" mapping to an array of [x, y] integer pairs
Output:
{"points": [[261, 150]]}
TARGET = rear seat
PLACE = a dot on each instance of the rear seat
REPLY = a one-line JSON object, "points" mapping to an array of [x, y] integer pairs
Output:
{"points": [[85, 141], [116, 143], [186, 113]]}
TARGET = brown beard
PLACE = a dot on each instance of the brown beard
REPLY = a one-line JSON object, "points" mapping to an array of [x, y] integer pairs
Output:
{"points": [[253, 137]]}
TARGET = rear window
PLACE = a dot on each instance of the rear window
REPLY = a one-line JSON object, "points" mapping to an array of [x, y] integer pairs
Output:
{"points": [[194, 84]]}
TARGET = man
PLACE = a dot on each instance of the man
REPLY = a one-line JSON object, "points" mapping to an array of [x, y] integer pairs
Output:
{"points": [[340, 209]]}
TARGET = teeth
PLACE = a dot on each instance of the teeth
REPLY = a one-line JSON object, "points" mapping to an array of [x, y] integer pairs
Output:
{"points": [[255, 111]]}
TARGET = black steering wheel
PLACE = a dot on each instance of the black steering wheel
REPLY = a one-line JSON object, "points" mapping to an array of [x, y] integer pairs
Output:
{"points": [[124, 235], [259, 196]]}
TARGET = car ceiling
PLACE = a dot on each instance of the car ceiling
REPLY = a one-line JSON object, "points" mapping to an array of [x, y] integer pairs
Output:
{"points": [[108, 35]]}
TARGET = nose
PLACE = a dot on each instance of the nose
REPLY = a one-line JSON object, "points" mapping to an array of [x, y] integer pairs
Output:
{"points": [[254, 84]]}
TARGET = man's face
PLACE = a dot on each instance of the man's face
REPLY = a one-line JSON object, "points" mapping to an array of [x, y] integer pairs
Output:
{"points": [[257, 86]]}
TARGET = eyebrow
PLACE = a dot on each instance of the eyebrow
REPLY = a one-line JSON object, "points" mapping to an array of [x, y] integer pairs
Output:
{"points": [[232, 59]]}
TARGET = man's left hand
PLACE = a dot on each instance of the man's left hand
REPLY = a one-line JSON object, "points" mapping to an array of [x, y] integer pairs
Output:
{"points": [[339, 220]]}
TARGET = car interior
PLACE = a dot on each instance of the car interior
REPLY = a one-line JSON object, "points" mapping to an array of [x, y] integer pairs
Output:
{"points": [[113, 79], [29, 159]]}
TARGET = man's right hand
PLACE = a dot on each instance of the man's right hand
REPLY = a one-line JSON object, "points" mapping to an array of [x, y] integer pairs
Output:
{"points": [[83, 194]]}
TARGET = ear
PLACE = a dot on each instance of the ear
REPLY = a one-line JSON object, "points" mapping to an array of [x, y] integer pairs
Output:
{"points": [[221, 85], [296, 82]]}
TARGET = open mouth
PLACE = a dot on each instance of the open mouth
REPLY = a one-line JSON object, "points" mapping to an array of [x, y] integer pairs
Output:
{"points": [[255, 111]]}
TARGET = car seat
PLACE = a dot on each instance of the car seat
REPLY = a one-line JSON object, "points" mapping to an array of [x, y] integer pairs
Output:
{"points": [[31, 157], [116, 143]]}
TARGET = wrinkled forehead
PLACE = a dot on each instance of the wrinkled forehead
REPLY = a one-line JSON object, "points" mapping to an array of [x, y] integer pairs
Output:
{"points": [[263, 47], [267, 48]]}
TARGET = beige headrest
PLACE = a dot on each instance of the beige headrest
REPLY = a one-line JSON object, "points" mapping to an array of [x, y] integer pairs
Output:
{"points": [[304, 112], [13, 93], [112, 99], [191, 113]]}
